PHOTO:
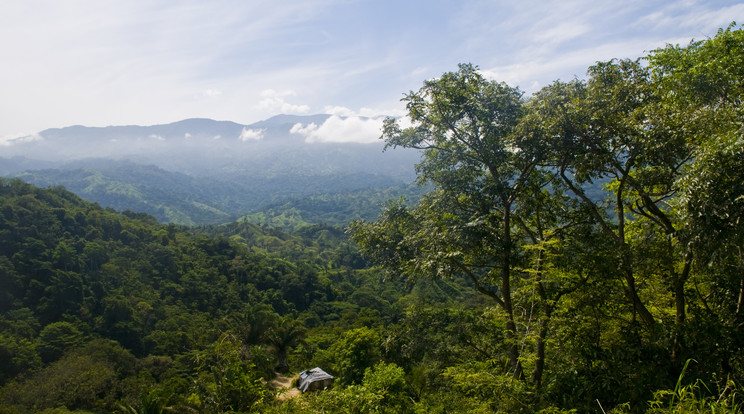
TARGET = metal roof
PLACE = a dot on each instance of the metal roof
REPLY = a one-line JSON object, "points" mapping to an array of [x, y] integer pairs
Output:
{"points": [[311, 376]]}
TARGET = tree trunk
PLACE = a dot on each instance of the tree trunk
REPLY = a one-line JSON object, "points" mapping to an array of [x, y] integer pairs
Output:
{"points": [[514, 363], [537, 374], [626, 266], [511, 326], [283, 361], [638, 307], [680, 312], [740, 302]]}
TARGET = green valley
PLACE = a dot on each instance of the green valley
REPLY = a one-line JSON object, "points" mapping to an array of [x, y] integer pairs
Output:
{"points": [[578, 250]]}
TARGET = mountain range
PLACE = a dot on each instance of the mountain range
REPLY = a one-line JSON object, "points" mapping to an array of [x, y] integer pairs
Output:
{"points": [[202, 171]]}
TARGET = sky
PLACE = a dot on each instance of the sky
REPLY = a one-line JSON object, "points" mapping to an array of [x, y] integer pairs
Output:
{"points": [[146, 62]]}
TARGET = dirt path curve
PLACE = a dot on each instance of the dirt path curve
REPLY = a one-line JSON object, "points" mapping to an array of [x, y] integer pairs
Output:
{"points": [[283, 384]]}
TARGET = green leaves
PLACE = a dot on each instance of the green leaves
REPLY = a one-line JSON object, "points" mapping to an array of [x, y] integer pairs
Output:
{"points": [[593, 197], [56, 338], [356, 351], [462, 120], [226, 380]]}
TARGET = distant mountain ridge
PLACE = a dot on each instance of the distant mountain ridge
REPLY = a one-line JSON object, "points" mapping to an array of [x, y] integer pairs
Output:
{"points": [[189, 137], [201, 171], [191, 129], [200, 146]]}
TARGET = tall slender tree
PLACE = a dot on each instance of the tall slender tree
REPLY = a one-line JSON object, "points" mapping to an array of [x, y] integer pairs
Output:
{"points": [[480, 165]]}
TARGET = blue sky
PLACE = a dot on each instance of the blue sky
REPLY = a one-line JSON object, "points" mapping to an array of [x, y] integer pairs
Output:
{"points": [[99, 63]]}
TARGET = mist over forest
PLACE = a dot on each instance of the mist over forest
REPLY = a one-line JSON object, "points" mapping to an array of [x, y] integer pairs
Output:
{"points": [[200, 171]]}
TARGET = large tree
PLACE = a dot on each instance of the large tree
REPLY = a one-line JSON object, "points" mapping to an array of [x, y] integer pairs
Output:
{"points": [[621, 192], [702, 85], [663, 136], [484, 170]]}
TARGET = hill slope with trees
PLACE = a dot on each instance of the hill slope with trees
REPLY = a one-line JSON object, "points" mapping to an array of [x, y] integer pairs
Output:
{"points": [[606, 297], [201, 171], [97, 306], [507, 287]]}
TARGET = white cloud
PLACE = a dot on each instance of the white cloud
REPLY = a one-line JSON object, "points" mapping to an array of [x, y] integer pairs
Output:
{"points": [[693, 15], [308, 130], [157, 137], [275, 102], [561, 33], [341, 129], [364, 112], [532, 74], [147, 62], [15, 139], [713, 19], [397, 111], [339, 111], [251, 134], [271, 93], [346, 125], [211, 93]]}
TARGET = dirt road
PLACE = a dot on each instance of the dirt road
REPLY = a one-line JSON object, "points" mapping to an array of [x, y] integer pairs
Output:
{"points": [[283, 384]]}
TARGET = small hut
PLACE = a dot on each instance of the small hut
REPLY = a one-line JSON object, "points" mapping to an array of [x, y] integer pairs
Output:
{"points": [[314, 379]]}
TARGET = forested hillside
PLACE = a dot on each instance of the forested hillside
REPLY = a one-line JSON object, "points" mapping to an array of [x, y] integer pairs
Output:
{"points": [[334, 209], [598, 298], [578, 250], [98, 307], [200, 171], [173, 197]]}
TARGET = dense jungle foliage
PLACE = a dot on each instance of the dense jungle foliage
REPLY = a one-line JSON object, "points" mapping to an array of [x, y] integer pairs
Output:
{"points": [[579, 251]]}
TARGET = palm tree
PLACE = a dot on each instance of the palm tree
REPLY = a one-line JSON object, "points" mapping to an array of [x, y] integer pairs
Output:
{"points": [[149, 403], [287, 334], [255, 323]]}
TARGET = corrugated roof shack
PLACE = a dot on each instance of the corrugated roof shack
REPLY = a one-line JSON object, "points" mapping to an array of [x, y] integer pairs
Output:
{"points": [[314, 379]]}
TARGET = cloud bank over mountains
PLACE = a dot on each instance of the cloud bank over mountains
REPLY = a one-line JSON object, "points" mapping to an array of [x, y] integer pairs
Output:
{"points": [[153, 61], [275, 102], [210, 171], [251, 134], [341, 129], [344, 126], [300, 143]]}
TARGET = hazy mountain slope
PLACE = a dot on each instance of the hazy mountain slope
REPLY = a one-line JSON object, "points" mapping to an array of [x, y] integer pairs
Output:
{"points": [[10, 166], [211, 148], [201, 171], [183, 199], [123, 185]]}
